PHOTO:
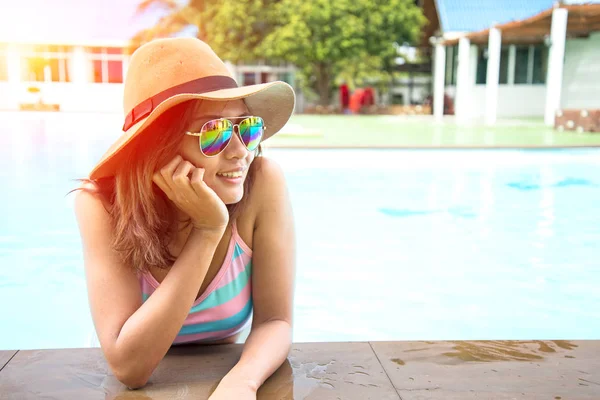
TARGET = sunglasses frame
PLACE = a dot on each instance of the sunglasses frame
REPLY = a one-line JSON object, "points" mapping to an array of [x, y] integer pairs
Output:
{"points": [[199, 134]]}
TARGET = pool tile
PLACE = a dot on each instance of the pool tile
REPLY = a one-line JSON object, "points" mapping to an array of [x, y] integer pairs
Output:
{"points": [[186, 372], [493, 369], [61, 374], [419, 370], [336, 371], [312, 371]]}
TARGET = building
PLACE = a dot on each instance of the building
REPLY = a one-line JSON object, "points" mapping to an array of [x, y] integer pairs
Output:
{"points": [[503, 59], [74, 54]]}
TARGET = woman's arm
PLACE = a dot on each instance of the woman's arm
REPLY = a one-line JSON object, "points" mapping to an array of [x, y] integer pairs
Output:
{"points": [[135, 336], [273, 265]]}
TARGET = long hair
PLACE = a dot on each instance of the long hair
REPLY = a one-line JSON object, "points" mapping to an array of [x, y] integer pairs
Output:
{"points": [[142, 217]]}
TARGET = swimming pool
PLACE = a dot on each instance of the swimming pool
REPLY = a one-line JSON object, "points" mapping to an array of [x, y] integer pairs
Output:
{"points": [[392, 244]]}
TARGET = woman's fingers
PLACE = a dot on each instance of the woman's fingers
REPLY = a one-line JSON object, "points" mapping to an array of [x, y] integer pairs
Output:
{"points": [[158, 179], [181, 181], [168, 170], [197, 180], [180, 176], [184, 184]]}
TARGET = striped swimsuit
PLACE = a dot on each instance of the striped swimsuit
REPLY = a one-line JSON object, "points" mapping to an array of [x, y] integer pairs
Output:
{"points": [[225, 307]]}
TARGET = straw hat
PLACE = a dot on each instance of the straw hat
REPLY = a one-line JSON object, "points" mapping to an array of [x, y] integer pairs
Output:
{"points": [[165, 72]]}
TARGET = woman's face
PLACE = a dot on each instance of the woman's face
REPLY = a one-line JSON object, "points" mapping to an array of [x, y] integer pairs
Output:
{"points": [[235, 157]]}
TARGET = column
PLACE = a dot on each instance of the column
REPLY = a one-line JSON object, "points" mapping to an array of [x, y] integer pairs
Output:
{"points": [[463, 83], [512, 62], [530, 65], [493, 76], [438, 83], [558, 36], [47, 74], [79, 64], [473, 65]]}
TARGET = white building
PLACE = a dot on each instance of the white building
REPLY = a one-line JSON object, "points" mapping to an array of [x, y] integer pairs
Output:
{"points": [[525, 68], [75, 52]]}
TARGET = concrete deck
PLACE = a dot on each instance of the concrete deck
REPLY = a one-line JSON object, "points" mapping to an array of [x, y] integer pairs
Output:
{"points": [[367, 370]]}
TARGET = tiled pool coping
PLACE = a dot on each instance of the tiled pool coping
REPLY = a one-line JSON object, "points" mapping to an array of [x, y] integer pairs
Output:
{"points": [[361, 370]]}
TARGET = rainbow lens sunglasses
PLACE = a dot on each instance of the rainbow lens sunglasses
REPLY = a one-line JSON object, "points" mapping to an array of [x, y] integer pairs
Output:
{"points": [[216, 134]]}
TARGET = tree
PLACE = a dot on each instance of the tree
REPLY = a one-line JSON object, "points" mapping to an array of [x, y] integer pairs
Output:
{"points": [[323, 38], [175, 18], [233, 28]]}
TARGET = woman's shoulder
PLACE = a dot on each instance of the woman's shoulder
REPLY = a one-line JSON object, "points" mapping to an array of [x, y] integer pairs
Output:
{"points": [[268, 173], [268, 179]]}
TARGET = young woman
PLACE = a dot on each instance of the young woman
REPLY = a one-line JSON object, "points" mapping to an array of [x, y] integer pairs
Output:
{"points": [[187, 231]]}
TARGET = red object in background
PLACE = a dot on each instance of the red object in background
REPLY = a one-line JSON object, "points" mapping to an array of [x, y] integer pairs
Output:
{"points": [[368, 97], [361, 98], [344, 96], [356, 100]]}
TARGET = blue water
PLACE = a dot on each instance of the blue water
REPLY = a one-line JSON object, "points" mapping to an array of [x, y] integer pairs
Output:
{"points": [[392, 244]]}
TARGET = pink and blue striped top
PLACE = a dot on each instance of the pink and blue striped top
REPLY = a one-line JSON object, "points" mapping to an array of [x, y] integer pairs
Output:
{"points": [[225, 307]]}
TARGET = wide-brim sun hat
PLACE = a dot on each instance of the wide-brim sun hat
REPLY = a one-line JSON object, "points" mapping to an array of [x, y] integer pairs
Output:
{"points": [[165, 72]]}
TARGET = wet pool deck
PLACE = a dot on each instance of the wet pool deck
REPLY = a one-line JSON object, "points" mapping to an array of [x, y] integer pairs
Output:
{"points": [[361, 370]]}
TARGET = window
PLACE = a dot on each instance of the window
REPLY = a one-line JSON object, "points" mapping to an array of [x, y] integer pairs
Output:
{"points": [[451, 65], [531, 64], [32, 69], [97, 68], [106, 64], [540, 64], [45, 64], [3, 63], [481, 78], [249, 78], [115, 71], [397, 98], [503, 66], [522, 65], [264, 77], [482, 61], [59, 67]]}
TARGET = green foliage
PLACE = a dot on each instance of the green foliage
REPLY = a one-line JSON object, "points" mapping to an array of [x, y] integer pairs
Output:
{"points": [[325, 39], [236, 28], [350, 39]]}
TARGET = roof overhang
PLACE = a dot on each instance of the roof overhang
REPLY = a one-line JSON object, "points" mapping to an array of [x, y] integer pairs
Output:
{"points": [[583, 19]]}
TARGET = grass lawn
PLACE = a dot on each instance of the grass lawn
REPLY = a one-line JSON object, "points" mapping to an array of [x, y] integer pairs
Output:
{"points": [[420, 131]]}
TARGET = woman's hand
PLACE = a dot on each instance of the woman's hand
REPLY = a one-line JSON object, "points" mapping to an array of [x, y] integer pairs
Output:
{"points": [[191, 195]]}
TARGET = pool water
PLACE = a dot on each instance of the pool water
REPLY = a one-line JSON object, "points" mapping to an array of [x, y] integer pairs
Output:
{"points": [[391, 244]]}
